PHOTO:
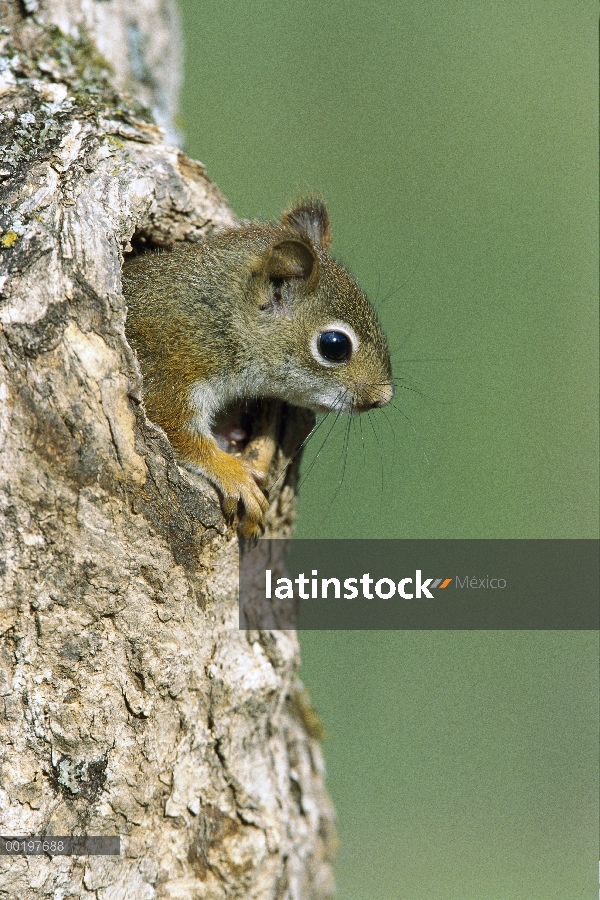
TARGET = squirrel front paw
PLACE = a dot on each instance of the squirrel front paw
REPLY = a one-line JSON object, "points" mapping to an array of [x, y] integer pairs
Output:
{"points": [[234, 477], [238, 486]]}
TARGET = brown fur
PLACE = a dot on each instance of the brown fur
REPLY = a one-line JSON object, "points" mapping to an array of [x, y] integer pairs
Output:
{"points": [[238, 318]]}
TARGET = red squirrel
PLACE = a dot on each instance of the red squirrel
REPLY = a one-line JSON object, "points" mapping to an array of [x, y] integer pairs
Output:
{"points": [[260, 311]]}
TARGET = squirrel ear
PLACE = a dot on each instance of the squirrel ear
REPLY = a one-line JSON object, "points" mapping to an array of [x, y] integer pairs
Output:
{"points": [[312, 219], [292, 259]]}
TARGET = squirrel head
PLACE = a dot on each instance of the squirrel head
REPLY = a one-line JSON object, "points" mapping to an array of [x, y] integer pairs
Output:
{"points": [[317, 337]]}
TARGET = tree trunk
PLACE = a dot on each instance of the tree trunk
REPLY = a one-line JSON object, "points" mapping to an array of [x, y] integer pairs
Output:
{"points": [[131, 704]]}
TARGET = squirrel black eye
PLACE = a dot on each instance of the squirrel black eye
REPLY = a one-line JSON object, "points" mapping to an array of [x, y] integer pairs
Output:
{"points": [[334, 346]]}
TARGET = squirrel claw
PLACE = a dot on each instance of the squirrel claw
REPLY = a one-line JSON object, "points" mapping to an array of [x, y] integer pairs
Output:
{"points": [[240, 489], [235, 480], [230, 504], [251, 530]]}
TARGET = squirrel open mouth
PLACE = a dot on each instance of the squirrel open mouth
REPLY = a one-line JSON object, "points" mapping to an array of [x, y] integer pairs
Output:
{"points": [[236, 425]]}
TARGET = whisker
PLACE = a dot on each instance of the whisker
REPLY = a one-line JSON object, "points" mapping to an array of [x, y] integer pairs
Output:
{"points": [[378, 447], [416, 433], [404, 340], [423, 359], [397, 382], [382, 395], [312, 432], [387, 419], [347, 439], [379, 304], [345, 457], [376, 391], [398, 385], [310, 468], [362, 437]]}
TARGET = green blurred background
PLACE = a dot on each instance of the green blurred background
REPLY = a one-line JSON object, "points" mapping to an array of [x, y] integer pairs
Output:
{"points": [[455, 144]]}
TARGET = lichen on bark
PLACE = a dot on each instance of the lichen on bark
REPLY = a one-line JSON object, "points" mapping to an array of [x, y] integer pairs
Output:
{"points": [[130, 703]]}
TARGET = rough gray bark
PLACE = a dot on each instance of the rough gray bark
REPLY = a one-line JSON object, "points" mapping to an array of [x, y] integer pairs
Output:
{"points": [[129, 701]]}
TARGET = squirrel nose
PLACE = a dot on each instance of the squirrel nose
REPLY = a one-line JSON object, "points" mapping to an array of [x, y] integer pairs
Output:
{"points": [[385, 393]]}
